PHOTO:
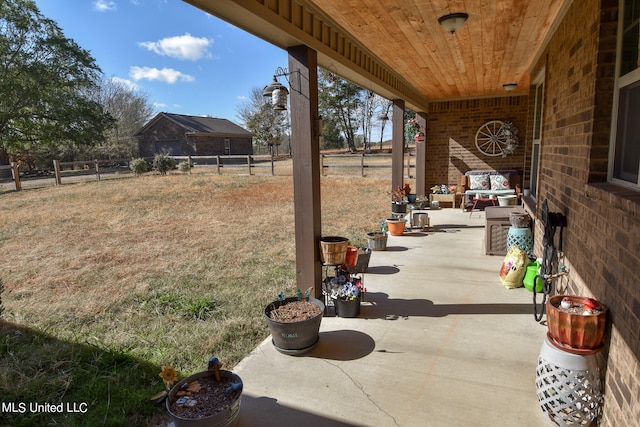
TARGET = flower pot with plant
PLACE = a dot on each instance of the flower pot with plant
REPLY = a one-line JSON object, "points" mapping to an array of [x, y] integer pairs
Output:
{"points": [[576, 324], [345, 291], [294, 322], [396, 226], [398, 202], [210, 398], [377, 240]]}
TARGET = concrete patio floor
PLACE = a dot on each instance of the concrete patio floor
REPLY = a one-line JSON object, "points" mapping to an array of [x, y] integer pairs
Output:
{"points": [[439, 342]]}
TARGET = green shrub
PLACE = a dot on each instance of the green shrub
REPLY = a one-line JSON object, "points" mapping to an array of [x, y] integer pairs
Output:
{"points": [[163, 163], [138, 166], [184, 166]]}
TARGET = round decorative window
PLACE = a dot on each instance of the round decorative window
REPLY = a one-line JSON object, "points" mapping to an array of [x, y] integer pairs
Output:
{"points": [[492, 140]]}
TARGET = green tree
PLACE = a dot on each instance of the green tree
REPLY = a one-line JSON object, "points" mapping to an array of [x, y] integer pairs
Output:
{"points": [[46, 85], [331, 134], [341, 102]]}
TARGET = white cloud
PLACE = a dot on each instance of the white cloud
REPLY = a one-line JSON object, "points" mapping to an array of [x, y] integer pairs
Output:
{"points": [[186, 48], [104, 5], [167, 75], [125, 82]]}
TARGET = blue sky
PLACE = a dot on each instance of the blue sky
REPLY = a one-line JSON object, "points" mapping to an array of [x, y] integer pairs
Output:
{"points": [[184, 60]]}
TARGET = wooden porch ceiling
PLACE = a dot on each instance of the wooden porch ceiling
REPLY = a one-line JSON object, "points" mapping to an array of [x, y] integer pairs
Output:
{"points": [[398, 49]]}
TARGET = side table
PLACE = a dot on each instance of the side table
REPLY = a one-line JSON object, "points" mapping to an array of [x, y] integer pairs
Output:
{"points": [[447, 198]]}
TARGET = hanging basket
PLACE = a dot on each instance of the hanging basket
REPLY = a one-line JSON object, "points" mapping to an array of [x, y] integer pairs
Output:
{"points": [[333, 249]]}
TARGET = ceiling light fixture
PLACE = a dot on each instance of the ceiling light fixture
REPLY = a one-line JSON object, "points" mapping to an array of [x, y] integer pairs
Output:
{"points": [[453, 21], [509, 86]]}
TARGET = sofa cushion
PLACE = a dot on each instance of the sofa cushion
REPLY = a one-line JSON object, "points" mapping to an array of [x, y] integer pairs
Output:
{"points": [[479, 182], [490, 192], [499, 181]]}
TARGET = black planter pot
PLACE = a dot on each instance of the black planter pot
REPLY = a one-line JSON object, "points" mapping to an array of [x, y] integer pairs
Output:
{"points": [[294, 338], [347, 308], [399, 207]]}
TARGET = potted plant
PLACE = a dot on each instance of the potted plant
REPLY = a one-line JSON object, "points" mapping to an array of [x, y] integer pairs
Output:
{"points": [[398, 202], [294, 322], [211, 397], [576, 324], [346, 292], [377, 240], [362, 261], [396, 226], [422, 201]]}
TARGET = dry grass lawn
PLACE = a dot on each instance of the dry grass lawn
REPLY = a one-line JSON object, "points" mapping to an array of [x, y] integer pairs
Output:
{"points": [[159, 270]]}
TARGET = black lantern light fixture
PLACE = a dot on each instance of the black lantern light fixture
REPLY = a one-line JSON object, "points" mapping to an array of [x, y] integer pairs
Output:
{"points": [[277, 91], [453, 21]]}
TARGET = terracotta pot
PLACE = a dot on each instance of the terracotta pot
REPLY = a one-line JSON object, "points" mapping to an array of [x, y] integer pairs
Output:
{"points": [[396, 226], [352, 256], [572, 331]]}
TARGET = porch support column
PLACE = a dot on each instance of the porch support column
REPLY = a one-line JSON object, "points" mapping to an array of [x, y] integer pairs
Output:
{"points": [[305, 152], [397, 145], [421, 156]]}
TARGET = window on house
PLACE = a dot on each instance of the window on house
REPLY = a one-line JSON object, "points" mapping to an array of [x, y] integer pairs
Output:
{"points": [[227, 147], [625, 166], [537, 135]]}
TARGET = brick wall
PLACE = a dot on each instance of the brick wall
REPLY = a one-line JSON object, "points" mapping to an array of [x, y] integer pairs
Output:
{"points": [[163, 130], [200, 145], [451, 132], [601, 241]]}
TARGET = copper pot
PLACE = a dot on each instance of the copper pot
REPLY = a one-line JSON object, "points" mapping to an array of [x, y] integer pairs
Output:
{"points": [[577, 331]]}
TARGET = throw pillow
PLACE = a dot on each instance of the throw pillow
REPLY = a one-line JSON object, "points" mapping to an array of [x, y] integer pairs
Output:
{"points": [[479, 182], [499, 182]]}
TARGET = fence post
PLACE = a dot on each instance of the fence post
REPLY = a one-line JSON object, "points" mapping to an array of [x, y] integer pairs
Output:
{"points": [[190, 164], [16, 175], [249, 163], [322, 164], [218, 164], [97, 169], [56, 171], [272, 165], [362, 164]]}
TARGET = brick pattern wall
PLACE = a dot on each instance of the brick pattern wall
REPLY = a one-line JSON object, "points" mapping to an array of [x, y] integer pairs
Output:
{"points": [[601, 242], [163, 130], [200, 145], [451, 131]]}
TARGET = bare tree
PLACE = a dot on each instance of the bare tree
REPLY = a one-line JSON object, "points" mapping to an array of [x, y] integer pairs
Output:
{"points": [[131, 109], [269, 127]]}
